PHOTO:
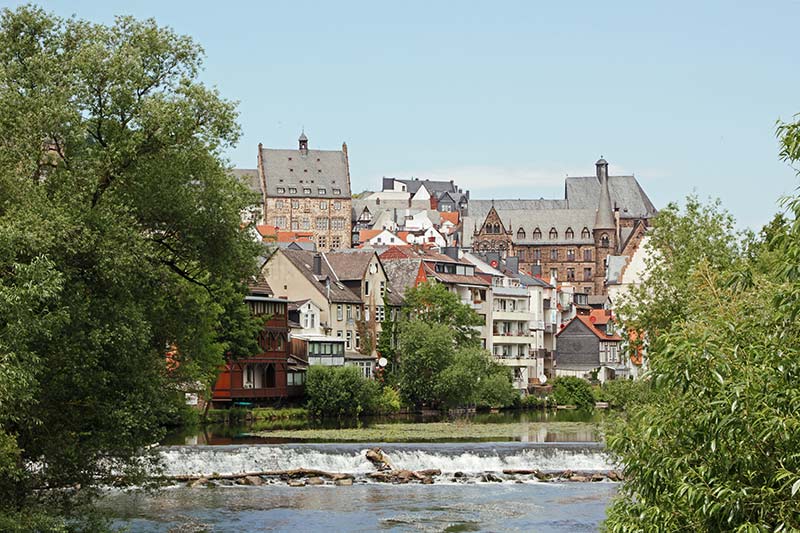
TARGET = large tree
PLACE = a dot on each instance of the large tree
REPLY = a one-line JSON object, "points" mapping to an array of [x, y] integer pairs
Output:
{"points": [[120, 240], [715, 445]]}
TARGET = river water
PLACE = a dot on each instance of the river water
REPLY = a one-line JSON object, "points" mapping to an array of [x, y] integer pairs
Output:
{"points": [[472, 493]]}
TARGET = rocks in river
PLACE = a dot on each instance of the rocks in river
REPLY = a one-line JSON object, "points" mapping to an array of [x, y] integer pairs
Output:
{"points": [[614, 475], [378, 459], [315, 481], [343, 482], [199, 482], [430, 472], [251, 480], [489, 477], [459, 475], [301, 483]]}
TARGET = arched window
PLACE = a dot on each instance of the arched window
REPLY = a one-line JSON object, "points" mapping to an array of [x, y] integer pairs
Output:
{"points": [[585, 234], [269, 375], [537, 234], [569, 234], [553, 234], [497, 228], [604, 240], [520, 233]]}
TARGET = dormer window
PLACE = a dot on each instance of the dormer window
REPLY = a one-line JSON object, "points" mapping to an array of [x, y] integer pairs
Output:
{"points": [[585, 234], [569, 234], [321, 191], [553, 234], [520, 233], [306, 190], [337, 191], [537, 234], [281, 190], [292, 190]]}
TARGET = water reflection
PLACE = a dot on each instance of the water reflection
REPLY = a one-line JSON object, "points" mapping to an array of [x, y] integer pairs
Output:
{"points": [[533, 427]]}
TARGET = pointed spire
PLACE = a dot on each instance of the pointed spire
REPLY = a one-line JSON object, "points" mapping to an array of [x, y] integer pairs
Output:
{"points": [[605, 216]]}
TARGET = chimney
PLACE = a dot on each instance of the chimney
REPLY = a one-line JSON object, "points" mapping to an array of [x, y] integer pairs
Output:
{"points": [[451, 252], [317, 265]]}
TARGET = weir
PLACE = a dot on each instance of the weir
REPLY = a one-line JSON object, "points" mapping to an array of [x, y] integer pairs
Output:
{"points": [[474, 458]]}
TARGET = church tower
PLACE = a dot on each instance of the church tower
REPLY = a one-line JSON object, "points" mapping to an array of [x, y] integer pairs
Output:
{"points": [[605, 228]]}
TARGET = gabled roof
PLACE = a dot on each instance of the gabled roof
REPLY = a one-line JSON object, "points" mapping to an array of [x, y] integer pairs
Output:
{"points": [[583, 319], [327, 282], [258, 286], [448, 216], [248, 176], [315, 169], [402, 274], [435, 188], [350, 265], [626, 194]]}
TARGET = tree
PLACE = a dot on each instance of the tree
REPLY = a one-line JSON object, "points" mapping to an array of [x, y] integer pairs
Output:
{"points": [[427, 350], [433, 303], [713, 445], [120, 236], [340, 391]]}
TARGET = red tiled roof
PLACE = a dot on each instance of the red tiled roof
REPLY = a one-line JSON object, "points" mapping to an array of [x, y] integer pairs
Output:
{"points": [[449, 216], [600, 316], [366, 234], [588, 323]]}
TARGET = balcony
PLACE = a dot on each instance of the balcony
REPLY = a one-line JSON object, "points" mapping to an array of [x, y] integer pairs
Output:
{"points": [[519, 316], [513, 339]]}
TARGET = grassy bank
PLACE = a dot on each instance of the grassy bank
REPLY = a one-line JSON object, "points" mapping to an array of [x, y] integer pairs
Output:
{"points": [[441, 431]]}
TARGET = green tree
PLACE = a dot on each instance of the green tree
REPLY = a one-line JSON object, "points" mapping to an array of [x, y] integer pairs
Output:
{"points": [[569, 390], [120, 236], [427, 349], [713, 444], [340, 391], [433, 303]]}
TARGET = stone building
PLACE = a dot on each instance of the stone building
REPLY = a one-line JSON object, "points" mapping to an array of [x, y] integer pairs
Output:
{"points": [[565, 240], [308, 190]]}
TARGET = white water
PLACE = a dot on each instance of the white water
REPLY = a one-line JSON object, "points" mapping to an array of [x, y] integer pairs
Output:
{"points": [[472, 458]]}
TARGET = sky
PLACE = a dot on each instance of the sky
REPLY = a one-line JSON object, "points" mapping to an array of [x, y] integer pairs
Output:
{"points": [[508, 98]]}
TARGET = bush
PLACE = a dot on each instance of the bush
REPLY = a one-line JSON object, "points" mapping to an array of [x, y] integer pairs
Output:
{"points": [[568, 390], [495, 390], [334, 391], [621, 393], [388, 402], [531, 401]]}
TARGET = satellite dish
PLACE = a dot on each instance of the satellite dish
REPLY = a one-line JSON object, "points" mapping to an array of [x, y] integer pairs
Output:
{"points": [[542, 379], [493, 263], [382, 362]]}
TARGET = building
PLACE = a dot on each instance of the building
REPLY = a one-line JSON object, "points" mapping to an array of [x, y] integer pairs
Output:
{"points": [[350, 289], [569, 239], [275, 373], [308, 191], [589, 348]]}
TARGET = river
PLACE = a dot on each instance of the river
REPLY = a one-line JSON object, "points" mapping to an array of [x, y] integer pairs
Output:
{"points": [[472, 492]]}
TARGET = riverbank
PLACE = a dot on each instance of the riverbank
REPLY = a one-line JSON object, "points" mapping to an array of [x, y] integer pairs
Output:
{"points": [[439, 432]]}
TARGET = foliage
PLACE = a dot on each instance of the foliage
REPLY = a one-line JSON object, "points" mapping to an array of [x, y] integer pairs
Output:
{"points": [[569, 390], [432, 303], [426, 350], [340, 391], [531, 401], [714, 447], [623, 393], [389, 402], [120, 235]]}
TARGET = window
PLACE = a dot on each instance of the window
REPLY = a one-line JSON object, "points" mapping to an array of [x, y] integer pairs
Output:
{"points": [[570, 255], [587, 274], [306, 224], [585, 234], [358, 340], [383, 288], [339, 333], [339, 310], [306, 190], [349, 312], [280, 222], [322, 223], [323, 205], [337, 223], [569, 234], [554, 273], [322, 242], [366, 287], [553, 234], [587, 254], [554, 254], [380, 313], [292, 190], [520, 233], [295, 204], [358, 312], [337, 191], [336, 242], [536, 254], [321, 191], [537, 234], [281, 190], [269, 376], [587, 290], [295, 225], [604, 240], [248, 377], [348, 339], [337, 205], [570, 274]]}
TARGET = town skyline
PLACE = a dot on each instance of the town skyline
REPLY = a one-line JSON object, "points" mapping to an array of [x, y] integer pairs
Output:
{"points": [[507, 103]]}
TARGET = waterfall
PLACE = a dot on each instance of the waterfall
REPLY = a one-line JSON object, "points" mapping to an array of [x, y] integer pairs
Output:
{"points": [[350, 458]]}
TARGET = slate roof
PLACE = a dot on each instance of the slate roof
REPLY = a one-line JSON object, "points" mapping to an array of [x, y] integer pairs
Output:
{"points": [[402, 274], [315, 169], [258, 286], [626, 193], [544, 219], [435, 188], [303, 261], [248, 176]]}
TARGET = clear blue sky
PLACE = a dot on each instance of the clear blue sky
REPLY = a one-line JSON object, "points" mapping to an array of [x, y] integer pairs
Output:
{"points": [[507, 98]]}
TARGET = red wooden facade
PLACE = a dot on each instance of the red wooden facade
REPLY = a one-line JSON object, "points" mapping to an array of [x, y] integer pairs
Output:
{"points": [[271, 375]]}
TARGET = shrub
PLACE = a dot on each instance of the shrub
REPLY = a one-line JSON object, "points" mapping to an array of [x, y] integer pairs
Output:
{"points": [[532, 401], [495, 390], [388, 402], [340, 391], [568, 390], [621, 393]]}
